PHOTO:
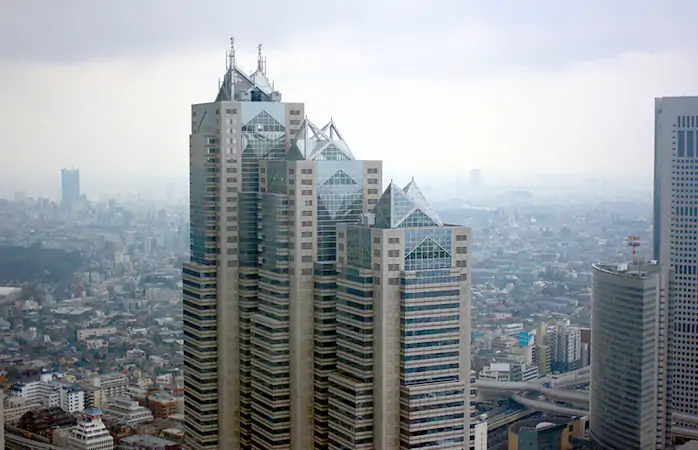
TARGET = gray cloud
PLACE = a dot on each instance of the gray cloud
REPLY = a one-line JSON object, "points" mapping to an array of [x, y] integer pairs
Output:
{"points": [[540, 32]]}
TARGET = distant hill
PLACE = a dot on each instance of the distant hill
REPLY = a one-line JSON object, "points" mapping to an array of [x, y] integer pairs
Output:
{"points": [[25, 264]]}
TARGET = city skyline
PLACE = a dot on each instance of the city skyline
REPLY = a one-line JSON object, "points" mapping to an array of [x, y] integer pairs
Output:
{"points": [[578, 110]]}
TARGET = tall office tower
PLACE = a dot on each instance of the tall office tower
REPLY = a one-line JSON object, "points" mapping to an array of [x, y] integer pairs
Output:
{"points": [[565, 349], [70, 187], [627, 409], [301, 201], [247, 123], [475, 178], [403, 329], [676, 249]]}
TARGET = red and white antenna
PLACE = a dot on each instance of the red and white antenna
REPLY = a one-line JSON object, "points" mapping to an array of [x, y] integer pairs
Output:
{"points": [[634, 243]]}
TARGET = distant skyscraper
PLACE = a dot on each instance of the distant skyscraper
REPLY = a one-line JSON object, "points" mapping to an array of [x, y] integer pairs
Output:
{"points": [[475, 178], [70, 187], [403, 329], [627, 404], [676, 248], [247, 123]]}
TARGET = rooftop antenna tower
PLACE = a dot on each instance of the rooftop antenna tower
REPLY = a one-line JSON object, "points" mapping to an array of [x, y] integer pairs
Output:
{"points": [[634, 244], [260, 59], [231, 54]]}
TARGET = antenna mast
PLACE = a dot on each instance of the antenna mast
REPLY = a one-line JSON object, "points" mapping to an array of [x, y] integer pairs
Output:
{"points": [[634, 243], [231, 54]]}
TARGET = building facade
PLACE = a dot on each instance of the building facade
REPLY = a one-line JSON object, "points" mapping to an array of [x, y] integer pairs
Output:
{"points": [[70, 187], [90, 433], [245, 124], [676, 248], [292, 349], [626, 404], [402, 329], [565, 349]]}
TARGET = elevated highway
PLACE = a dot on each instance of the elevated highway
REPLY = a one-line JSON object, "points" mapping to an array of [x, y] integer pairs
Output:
{"points": [[574, 397]]}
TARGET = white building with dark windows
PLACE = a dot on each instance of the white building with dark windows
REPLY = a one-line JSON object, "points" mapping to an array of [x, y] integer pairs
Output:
{"points": [[675, 246], [403, 329], [51, 392], [127, 411], [90, 433]]}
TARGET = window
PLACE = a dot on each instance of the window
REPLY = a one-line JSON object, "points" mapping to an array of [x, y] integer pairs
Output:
{"points": [[394, 281], [376, 266], [372, 201], [306, 234], [307, 223], [340, 234], [393, 240], [393, 267], [291, 171], [372, 191], [307, 171], [462, 250], [393, 253], [372, 181], [295, 122], [306, 258], [307, 272], [308, 203], [377, 253], [372, 170], [461, 263], [306, 192], [307, 245], [307, 213], [307, 182], [376, 240], [462, 237], [231, 111]]}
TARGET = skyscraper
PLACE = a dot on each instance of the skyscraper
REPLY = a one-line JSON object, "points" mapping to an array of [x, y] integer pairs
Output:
{"points": [[292, 350], [247, 123], [70, 187], [627, 405], [675, 246], [403, 329]]}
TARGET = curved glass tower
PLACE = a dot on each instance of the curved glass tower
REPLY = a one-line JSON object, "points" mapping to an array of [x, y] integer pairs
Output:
{"points": [[626, 349]]}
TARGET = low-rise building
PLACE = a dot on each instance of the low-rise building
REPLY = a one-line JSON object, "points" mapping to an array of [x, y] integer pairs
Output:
{"points": [[127, 411], [89, 333], [90, 433]]}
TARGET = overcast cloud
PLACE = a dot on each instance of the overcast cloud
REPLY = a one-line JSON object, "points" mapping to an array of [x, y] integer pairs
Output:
{"points": [[515, 88]]}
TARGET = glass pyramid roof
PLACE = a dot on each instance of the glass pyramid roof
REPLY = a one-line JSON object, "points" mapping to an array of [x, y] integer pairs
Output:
{"points": [[399, 208], [320, 144]]}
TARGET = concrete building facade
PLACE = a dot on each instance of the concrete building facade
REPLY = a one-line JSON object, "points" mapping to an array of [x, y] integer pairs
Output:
{"points": [[245, 124], [676, 248], [403, 329], [627, 404]]}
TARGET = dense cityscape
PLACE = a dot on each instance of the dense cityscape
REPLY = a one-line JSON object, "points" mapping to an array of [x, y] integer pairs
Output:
{"points": [[298, 300]]}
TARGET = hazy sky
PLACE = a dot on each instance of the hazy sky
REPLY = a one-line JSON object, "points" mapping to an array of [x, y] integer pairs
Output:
{"points": [[516, 88]]}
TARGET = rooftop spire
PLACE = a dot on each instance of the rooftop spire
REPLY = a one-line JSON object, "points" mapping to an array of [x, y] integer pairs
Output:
{"points": [[260, 59], [231, 54]]}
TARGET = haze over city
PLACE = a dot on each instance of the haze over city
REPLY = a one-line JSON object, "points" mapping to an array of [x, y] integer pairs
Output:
{"points": [[523, 91]]}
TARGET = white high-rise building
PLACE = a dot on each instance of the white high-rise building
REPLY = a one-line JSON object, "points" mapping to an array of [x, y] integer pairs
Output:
{"points": [[403, 330], [675, 246]]}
